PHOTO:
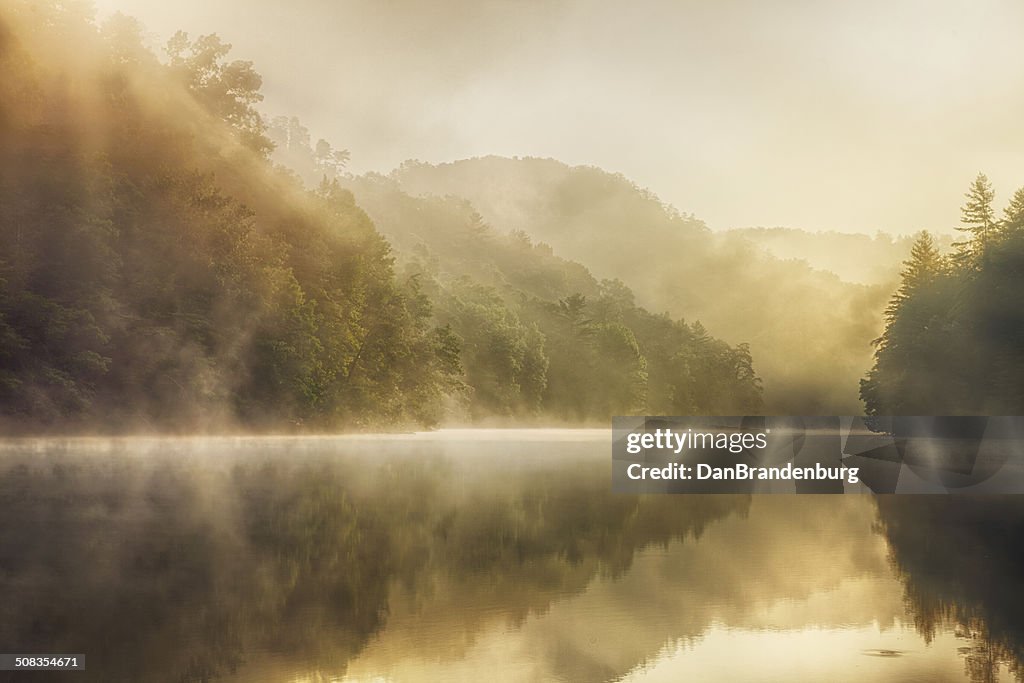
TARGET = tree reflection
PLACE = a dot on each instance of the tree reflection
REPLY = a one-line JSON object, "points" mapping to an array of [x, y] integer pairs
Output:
{"points": [[160, 568], [961, 560]]}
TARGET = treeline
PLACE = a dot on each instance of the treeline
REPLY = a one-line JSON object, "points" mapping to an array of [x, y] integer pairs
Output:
{"points": [[809, 331], [540, 336], [159, 270], [954, 334], [155, 270]]}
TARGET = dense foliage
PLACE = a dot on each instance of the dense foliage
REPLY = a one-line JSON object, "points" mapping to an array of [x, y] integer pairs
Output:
{"points": [[540, 335], [954, 335], [159, 269], [155, 270], [809, 331]]}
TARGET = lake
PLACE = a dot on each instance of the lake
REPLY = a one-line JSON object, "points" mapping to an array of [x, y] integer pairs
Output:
{"points": [[468, 555]]}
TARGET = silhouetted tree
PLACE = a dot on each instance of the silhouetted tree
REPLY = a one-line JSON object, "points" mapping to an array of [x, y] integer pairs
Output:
{"points": [[977, 220], [230, 90], [954, 336], [1013, 215]]}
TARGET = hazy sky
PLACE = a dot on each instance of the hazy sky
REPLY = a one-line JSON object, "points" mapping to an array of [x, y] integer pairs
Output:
{"points": [[822, 115]]}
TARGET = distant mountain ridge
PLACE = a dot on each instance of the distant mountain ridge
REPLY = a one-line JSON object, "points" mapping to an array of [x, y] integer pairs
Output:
{"points": [[541, 336], [809, 331], [854, 257]]}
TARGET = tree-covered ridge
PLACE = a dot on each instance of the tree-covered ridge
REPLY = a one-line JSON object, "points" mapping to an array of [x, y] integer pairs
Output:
{"points": [[809, 331], [156, 271], [954, 335], [540, 335]]}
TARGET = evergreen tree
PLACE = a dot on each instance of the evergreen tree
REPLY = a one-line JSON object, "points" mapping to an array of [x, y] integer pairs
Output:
{"points": [[977, 220], [1013, 215], [923, 266], [905, 377], [954, 336]]}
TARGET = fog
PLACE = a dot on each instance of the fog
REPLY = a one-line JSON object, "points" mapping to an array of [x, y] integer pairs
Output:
{"points": [[503, 554], [216, 267], [812, 115]]}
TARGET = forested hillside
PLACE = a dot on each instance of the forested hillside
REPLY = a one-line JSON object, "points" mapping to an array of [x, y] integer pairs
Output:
{"points": [[158, 270], [954, 335], [540, 334], [809, 332]]}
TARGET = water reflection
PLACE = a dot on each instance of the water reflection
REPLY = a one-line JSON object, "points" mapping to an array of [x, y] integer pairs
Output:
{"points": [[962, 562], [492, 557]]}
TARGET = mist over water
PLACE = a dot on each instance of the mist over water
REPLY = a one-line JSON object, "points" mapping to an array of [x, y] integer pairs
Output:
{"points": [[459, 554], [180, 253]]}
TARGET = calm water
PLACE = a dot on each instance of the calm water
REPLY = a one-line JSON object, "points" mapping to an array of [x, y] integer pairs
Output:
{"points": [[469, 556]]}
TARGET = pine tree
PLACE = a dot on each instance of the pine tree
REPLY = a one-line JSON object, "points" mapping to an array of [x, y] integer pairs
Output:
{"points": [[923, 266], [978, 220], [901, 381], [1013, 215]]}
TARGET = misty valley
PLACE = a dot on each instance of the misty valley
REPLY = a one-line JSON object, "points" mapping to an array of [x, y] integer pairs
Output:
{"points": [[264, 418], [171, 260]]}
